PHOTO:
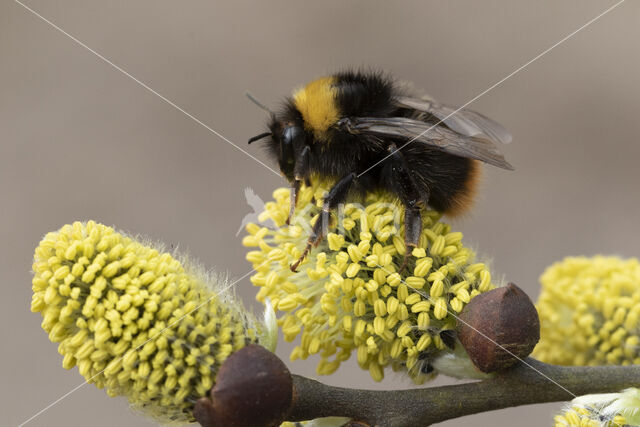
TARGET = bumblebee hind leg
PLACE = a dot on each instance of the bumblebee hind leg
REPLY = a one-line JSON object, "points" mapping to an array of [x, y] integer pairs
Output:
{"points": [[401, 184], [336, 195], [412, 231]]}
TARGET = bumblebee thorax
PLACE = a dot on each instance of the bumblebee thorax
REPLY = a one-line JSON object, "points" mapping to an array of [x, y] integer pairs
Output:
{"points": [[317, 104]]}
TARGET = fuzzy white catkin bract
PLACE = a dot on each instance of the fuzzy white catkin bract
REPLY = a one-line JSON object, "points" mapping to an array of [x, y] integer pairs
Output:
{"points": [[602, 410]]}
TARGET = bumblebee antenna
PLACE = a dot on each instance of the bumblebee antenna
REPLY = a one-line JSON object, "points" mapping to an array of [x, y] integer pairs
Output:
{"points": [[257, 137], [259, 104]]}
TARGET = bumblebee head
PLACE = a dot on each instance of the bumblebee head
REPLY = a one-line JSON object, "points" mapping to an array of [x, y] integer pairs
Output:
{"points": [[285, 138], [307, 116], [311, 115]]}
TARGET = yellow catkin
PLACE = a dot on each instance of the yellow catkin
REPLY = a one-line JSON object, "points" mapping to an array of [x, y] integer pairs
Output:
{"points": [[355, 297], [135, 321], [589, 310]]}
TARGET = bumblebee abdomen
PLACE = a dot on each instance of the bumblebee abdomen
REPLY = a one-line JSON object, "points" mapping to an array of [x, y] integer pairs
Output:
{"points": [[447, 182], [454, 194]]}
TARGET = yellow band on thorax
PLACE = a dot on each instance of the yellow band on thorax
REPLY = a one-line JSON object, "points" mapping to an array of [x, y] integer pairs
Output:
{"points": [[317, 104]]}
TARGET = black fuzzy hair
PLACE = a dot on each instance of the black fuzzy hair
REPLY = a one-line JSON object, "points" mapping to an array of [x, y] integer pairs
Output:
{"points": [[364, 93], [447, 182]]}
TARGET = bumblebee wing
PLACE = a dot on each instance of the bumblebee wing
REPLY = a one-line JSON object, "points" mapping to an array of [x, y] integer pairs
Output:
{"points": [[440, 137], [465, 122]]}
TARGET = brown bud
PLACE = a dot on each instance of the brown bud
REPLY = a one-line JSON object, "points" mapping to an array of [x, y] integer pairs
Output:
{"points": [[498, 328], [204, 413], [253, 388]]}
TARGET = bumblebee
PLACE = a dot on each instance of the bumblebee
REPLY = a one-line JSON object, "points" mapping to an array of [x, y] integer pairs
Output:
{"points": [[364, 131]]}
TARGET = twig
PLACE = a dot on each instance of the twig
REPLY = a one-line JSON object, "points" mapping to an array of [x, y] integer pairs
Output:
{"points": [[255, 388], [520, 385]]}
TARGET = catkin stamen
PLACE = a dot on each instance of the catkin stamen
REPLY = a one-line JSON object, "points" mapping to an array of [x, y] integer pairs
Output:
{"points": [[349, 296]]}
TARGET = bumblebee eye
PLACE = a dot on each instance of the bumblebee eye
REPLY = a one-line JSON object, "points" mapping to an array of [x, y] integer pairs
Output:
{"points": [[290, 135]]}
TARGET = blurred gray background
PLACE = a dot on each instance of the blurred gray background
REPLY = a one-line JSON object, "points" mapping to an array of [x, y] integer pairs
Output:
{"points": [[79, 140]]}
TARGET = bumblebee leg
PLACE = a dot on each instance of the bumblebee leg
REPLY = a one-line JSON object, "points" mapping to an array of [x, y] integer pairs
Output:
{"points": [[307, 182], [412, 231], [336, 195], [406, 189], [300, 173], [293, 196], [301, 169]]}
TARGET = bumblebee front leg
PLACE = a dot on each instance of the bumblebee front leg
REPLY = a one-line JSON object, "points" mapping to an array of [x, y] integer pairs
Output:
{"points": [[300, 173], [307, 182], [293, 197], [405, 188], [337, 195]]}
